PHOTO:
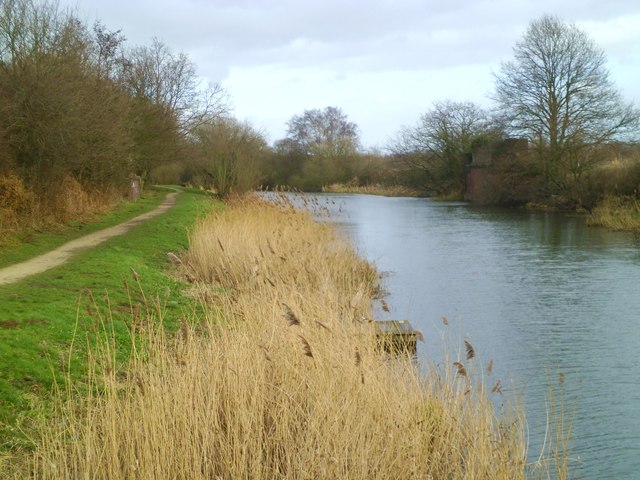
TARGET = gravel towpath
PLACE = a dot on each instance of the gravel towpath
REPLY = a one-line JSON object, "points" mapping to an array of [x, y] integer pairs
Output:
{"points": [[63, 253]]}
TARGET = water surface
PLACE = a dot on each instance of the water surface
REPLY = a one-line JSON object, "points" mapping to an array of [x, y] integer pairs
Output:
{"points": [[542, 295]]}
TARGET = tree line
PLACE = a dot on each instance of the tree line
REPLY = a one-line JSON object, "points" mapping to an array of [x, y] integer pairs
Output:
{"points": [[79, 107], [556, 95], [559, 133], [81, 112]]}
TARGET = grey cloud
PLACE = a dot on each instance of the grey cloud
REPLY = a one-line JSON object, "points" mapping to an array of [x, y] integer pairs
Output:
{"points": [[412, 41], [375, 34]]}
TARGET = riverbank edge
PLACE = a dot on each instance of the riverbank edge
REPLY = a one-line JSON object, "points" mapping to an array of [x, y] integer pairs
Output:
{"points": [[294, 318], [615, 213], [372, 189]]}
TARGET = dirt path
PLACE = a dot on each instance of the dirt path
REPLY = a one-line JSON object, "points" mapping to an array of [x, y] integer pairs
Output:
{"points": [[63, 253]]}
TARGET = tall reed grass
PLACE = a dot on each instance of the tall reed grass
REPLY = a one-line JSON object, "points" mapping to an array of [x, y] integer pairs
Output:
{"points": [[620, 213], [281, 379], [372, 189]]}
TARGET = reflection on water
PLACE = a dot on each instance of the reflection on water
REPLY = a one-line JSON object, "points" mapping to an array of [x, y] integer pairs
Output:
{"points": [[538, 293]]}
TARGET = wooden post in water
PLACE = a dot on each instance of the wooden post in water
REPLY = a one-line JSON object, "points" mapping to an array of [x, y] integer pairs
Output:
{"points": [[397, 336]]}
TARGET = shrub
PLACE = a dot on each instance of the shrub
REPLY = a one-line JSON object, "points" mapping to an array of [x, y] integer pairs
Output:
{"points": [[16, 202]]}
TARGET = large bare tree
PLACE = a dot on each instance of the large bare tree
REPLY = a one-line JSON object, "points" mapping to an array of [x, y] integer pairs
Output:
{"points": [[557, 93], [437, 147], [325, 143], [170, 82], [168, 103], [327, 131]]}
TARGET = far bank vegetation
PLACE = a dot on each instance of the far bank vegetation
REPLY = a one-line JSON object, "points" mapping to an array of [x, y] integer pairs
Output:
{"points": [[558, 136]]}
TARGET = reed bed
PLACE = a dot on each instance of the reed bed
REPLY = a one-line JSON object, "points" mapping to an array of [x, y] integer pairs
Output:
{"points": [[617, 213], [372, 189], [281, 378]]}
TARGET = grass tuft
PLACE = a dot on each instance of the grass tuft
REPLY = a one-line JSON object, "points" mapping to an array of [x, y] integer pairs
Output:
{"points": [[372, 189], [617, 213]]}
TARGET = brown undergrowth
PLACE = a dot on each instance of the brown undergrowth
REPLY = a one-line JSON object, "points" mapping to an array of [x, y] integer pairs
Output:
{"points": [[281, 378], [22, 210]]}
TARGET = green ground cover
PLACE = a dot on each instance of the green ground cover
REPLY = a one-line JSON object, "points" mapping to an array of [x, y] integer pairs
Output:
{"points": [[39, 315]]}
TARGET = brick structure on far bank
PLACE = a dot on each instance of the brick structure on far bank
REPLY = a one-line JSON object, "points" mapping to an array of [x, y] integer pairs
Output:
{"points": [[484, 160]]}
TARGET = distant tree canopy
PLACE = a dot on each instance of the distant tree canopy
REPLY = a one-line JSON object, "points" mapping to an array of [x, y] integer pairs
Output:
{"points": [[320, 148], [557, 93], [325, 132]]}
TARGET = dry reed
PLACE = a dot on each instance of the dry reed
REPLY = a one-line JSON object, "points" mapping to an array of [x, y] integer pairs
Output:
{"points": [[373, 189], [281, 379], [617, 213]]}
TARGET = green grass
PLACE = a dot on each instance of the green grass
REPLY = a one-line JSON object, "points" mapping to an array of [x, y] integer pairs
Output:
{"points": [[38, 314], [30, 244]]}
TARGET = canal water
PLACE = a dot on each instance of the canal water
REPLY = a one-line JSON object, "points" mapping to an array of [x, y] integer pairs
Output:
{"points": [[548, 299]]}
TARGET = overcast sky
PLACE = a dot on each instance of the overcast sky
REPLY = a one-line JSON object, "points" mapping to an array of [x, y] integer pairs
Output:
{"points": [[383, 62]]}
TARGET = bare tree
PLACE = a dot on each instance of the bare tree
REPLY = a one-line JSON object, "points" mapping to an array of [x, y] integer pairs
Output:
{"points": [[558, 94], [168, 103], [107, 47], [437, 147], [169, 81], [231, 155], [325, 144], [323, 132]]}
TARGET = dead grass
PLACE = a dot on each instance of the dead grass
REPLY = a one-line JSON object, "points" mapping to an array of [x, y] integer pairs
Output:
{"points": [[280, 379], [372, 189], [16, 202], [617, 213], [22, 211]]}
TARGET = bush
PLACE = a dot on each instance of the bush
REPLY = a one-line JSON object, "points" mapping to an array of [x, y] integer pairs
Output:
{"points": [[16, 202], [21, 210]]}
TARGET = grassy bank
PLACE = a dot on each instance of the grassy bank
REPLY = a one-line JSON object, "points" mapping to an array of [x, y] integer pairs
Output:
{"points": [[29, 242], [617, 213], [377, 189], [279, 377], [38, 314]]}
